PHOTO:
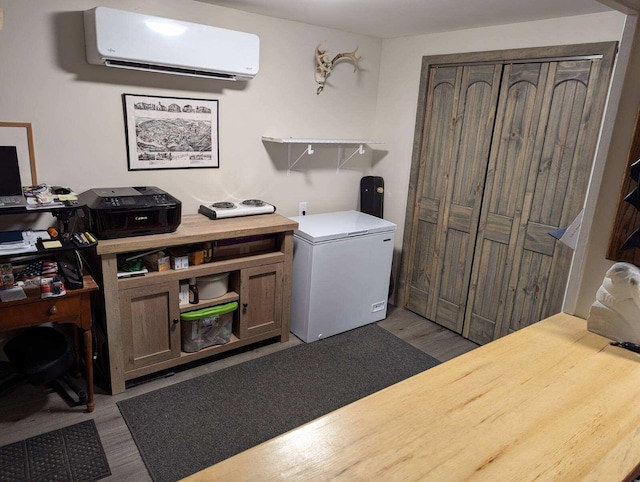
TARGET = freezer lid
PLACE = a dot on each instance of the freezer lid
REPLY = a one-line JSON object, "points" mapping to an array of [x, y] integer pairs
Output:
{"points": [[344, 224]]}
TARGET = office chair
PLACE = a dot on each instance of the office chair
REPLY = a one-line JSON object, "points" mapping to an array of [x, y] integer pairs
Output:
{"points": [[43, 355]]}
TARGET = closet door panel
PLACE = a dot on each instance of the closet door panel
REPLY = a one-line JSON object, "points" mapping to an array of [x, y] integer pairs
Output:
{"points": [[513, 143], [450, 306], [525, 286], [553, 171], [523, 86], [420, 282], [538, 240], [435, 163], [559, 274], [529, 298], [460, 112], [497, 228], [566, 115], [480, 323], [503, 156], [564, 169], [460, 208]]}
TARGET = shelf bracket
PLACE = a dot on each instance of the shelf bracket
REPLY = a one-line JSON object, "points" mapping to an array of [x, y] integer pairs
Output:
{"points": [[359, 150], [309, 150]]}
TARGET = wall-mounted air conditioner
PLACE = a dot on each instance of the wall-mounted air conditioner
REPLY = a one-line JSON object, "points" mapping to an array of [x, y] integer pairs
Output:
{"points": [[128, 40]]}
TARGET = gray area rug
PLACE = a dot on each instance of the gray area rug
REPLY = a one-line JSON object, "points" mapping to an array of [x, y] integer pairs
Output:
{"points": [[189, 426], [73, 453]]}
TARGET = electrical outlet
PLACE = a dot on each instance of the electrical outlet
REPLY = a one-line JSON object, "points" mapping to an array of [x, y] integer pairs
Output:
{"points": [[302, 209], [379, 306]]}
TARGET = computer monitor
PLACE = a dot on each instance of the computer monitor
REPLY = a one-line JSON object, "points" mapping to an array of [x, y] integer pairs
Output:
{"points": [[10, 184]]}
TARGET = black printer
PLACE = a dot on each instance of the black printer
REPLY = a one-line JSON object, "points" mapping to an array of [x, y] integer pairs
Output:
{"points": [[120, 212]]}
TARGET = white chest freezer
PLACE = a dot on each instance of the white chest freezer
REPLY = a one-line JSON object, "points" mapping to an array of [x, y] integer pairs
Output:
{"points": [[341, 271]]}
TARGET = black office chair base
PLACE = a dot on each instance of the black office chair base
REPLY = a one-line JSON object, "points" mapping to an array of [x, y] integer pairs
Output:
{"points": [[43, 356]]}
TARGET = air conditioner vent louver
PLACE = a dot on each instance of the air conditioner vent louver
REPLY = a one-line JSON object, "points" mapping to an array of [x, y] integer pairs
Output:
{"points": [[169, 70]]}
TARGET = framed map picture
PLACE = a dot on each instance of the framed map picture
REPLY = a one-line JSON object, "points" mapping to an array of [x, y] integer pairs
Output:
{"points": [[171, 132]]}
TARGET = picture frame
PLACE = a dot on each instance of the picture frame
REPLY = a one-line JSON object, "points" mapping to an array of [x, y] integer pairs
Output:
{"points": [[20, 136], [170, 132]]}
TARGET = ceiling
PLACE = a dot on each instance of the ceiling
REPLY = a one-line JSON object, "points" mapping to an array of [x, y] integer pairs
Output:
{"points": [[399, 18]]}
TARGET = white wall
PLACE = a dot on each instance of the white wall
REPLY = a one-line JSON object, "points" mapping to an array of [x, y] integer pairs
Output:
{"points": [[77, 116], [400, 78], [595, 265], [76, 108]]}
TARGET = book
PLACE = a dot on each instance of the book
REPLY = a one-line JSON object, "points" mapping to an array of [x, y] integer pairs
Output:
{"points": [[11, 238]]}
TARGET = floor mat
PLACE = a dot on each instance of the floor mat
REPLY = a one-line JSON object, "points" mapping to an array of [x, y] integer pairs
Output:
{"points": [[191, 425], [73, 453]]}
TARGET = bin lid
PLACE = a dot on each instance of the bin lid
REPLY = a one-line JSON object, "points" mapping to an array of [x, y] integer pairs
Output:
{"points": [[213, 277], [210, 311]]}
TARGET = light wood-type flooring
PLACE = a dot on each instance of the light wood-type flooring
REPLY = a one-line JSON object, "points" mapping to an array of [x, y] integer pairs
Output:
{"points": [[27, 411]]}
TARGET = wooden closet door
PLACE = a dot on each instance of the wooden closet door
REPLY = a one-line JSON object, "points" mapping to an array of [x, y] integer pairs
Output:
{"points": [[460, 113], [538, 173]]}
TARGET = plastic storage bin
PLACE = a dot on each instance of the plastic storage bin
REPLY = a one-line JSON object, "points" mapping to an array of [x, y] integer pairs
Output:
{"points": [[207, 327]]}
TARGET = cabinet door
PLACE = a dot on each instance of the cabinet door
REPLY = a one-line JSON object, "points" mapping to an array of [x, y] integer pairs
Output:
{"points": [[151, 324], [260, 300]]}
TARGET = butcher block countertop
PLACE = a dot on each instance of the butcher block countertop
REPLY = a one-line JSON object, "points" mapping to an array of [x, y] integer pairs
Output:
{"points": [[549, 402]]}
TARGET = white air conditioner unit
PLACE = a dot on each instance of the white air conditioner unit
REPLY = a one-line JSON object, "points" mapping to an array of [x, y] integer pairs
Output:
{"points": [[128, 40]]}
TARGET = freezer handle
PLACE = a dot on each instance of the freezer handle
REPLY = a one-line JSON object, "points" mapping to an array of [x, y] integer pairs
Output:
{"points": [[358, 233]]}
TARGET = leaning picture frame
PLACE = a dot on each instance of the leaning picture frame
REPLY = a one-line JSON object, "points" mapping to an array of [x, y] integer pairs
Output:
{"points": [[170, 132], [20, 136]]}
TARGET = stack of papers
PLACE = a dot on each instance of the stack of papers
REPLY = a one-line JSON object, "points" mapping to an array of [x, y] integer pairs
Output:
{"points": [[46, 197]]}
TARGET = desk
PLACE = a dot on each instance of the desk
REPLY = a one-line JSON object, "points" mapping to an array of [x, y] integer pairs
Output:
{"points": [[549, 402], [74, 307]]}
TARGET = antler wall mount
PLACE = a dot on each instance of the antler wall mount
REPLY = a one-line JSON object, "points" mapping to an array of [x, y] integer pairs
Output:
{"points": [[324, 64]]}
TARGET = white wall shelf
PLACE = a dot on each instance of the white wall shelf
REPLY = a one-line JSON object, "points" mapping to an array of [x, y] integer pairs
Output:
{"points": [[339, 143]]}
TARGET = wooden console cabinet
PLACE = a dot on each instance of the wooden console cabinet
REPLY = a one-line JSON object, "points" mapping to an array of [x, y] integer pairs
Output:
{"points": [[142, 314]]}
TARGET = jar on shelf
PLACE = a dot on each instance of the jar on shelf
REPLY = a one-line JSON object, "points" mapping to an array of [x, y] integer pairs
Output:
{"points": [[193, 291]]}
